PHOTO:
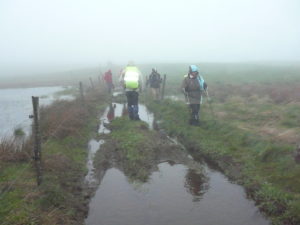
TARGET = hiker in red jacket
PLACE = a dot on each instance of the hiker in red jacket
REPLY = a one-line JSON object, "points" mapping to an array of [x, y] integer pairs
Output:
{"points": [[108, 80]]}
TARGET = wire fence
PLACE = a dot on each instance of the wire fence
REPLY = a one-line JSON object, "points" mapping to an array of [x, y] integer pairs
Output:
{"points": [[19, 175]]}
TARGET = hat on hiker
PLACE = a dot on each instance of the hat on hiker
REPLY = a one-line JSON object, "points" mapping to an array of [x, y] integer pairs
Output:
{"points": [[193, 68], [193, 71]]}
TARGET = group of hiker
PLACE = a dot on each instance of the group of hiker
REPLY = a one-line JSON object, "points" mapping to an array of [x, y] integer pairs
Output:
{"points": [[193, 86]]}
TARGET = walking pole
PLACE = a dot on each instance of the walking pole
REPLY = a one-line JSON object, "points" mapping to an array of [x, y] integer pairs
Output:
{"points": [[209, 102]]}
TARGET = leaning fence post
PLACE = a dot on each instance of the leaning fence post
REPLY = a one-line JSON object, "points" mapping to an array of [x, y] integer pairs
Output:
{"points": [[163, 87], [37, 140], [81, 92], [92, 84]]}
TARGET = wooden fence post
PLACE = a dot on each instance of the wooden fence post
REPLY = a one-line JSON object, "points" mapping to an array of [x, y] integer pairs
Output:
{"points": [[37, 140], [81, 92], [163, 87], [92, 84]]}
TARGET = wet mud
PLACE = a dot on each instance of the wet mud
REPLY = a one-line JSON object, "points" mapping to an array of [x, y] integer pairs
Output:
{"points": [[166, 185]]}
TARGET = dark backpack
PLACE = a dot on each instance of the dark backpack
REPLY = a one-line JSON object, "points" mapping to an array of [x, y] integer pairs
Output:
{"points": [[154, 80]]}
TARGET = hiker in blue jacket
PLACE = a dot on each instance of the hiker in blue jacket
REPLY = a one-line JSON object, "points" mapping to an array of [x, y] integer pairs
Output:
{"points": [[193, 86]]}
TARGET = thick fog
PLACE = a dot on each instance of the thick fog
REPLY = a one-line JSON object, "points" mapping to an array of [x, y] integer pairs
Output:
{"points": [[79, 33]]}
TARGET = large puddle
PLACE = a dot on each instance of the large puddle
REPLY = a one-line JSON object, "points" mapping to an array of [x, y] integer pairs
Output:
{"points": [[179, 190], [174, 195], [16, 106], [117, 110]]}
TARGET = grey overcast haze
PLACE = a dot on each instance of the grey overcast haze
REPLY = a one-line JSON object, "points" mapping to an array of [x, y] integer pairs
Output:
{"points": [[58, 33]]}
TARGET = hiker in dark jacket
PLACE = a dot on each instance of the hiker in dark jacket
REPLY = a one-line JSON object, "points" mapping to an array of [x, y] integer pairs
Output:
{"points": [[193, 86], [154, 82]]}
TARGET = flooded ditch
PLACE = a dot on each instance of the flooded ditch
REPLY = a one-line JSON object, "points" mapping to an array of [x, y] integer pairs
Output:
{"points": [[16, 105], [177, 190]]}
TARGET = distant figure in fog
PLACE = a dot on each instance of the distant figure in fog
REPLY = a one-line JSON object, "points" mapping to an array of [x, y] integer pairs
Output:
{"points": [[108, 80], [154, 82], [131, 78], [193, 85]]}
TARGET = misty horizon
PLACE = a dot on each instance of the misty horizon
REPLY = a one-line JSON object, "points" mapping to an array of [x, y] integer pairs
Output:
{"points": [[67, 35]]}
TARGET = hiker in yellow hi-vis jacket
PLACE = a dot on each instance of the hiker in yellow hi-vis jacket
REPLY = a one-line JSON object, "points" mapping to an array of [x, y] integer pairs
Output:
{"points": [[131, 78]]}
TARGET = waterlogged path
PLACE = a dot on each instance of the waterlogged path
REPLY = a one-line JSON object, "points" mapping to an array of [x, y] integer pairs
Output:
{"points": [[180, 190]]}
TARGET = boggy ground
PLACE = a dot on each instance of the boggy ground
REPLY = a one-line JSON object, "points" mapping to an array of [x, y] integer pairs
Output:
{"points": [[137, 151]]}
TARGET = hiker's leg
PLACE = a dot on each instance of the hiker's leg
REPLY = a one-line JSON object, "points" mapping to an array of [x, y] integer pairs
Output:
{"points": [[109, 88], [130, 102], [197, 110], [195, 114], [191, 121], [153, 92], [156, 94], [135, 103]]}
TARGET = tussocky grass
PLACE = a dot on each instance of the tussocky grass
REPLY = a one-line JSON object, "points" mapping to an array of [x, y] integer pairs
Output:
{"points": [[66, 127], [266, 168]]}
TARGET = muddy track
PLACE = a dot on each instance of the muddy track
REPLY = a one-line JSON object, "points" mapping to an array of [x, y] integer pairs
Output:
{"points": [[130, 153]]}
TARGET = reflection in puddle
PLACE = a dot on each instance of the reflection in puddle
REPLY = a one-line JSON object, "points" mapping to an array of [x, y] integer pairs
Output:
{"points": [[104, 120], [118, 110], [174, 195], [94, 146], [195, 184], [163, 200]]}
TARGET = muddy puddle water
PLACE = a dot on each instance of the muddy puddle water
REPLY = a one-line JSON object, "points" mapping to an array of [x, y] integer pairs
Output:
{"points": [[112, 111], [117, 110], [179, 191], [175, 196]]}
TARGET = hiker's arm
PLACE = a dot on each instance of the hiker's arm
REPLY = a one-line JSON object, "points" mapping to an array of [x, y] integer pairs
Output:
{"points": [[183, 87]]}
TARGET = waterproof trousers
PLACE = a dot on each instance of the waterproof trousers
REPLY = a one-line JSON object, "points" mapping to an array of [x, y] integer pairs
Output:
{"points": [[132, 103], [195, 108], [110, 86], [155, 93]]}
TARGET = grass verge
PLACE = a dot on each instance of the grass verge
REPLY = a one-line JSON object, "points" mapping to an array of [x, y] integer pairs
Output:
{"points": [[66, 127]]}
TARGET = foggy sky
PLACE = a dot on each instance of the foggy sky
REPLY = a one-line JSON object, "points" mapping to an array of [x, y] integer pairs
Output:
{"points": [[86, 32]]}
